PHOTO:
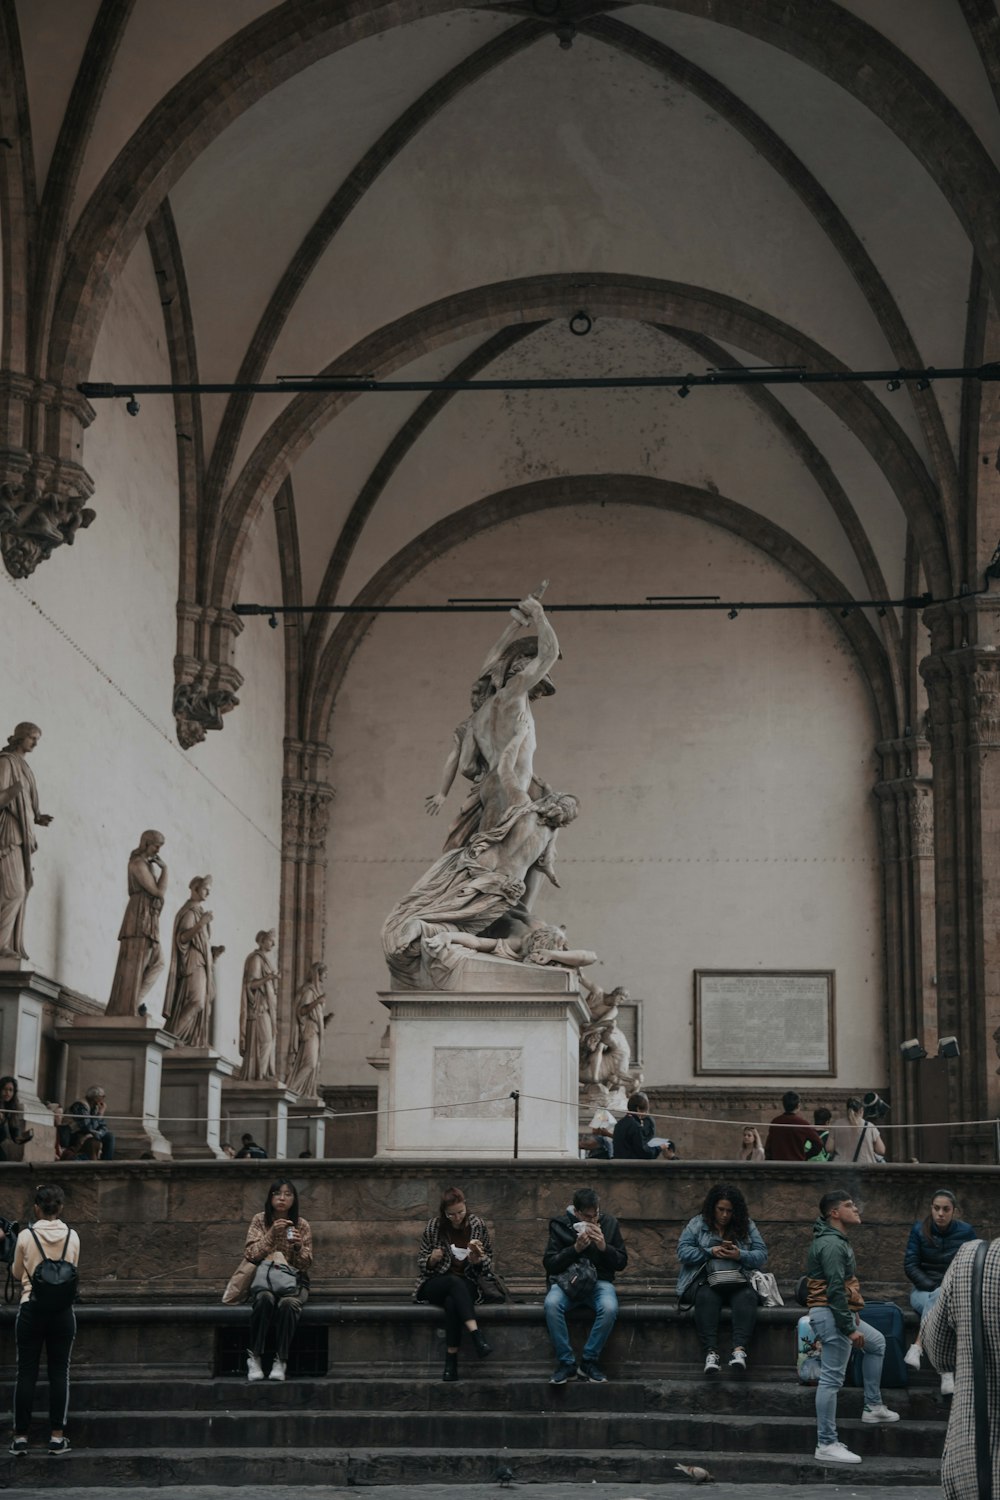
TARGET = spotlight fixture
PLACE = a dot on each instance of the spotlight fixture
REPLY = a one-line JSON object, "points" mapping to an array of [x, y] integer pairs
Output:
{"points": [[733, 613], [566, 34], [684, 390], [948, 1047], [912, 1050], [132, 406], [893, 385], [845, 612], [923, 385], [580, 323], [272, 620]]}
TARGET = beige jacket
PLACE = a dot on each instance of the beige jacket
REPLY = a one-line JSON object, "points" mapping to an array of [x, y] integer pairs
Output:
{"points": [[52, 1233]]}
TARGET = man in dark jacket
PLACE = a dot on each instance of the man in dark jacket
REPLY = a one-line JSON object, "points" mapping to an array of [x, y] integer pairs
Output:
{"points": [[633, 1132], [835, 1301], [582, 1233]]}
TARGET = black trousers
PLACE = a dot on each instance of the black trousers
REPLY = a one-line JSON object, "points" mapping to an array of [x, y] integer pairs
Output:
{"points": [[454, 1294], [282, 1313], [34, 1331], [708, 1304]]}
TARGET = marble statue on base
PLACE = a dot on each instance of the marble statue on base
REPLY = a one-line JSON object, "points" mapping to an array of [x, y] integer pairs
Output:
{"points": [[305, 1052], [259, 1014], [140, 960], [606, 1076], [497, 871], [191, 982], [19, 813]]}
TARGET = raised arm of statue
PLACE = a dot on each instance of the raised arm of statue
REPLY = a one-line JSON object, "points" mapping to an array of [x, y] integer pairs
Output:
{"points": [[538, 666]]}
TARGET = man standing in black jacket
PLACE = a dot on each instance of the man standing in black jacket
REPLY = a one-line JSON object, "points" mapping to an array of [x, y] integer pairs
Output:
{"points": [[581, 1234], [634, 1131]]}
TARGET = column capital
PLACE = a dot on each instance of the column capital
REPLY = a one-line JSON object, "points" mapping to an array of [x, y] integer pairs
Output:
{"points": [[206, 681]]}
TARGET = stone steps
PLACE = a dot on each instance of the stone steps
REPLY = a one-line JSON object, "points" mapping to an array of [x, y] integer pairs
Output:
{"points": [[419, 1431]]}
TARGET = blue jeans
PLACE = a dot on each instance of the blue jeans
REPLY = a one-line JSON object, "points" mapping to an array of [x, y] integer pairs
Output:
{"points": [[603, 1299], [922, 1302], [837, 1350]]}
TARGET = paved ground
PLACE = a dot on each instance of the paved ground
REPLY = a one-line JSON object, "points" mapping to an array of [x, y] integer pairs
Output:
{"points": [[32, 1472]]}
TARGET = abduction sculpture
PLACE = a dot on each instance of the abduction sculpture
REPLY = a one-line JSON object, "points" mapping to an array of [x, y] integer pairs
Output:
{"points": [[606, 1074], [19, 815], [502, 846], [140, 959]]}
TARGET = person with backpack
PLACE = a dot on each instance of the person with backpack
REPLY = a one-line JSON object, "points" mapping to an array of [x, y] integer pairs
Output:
{"points": [[45, 1261]]}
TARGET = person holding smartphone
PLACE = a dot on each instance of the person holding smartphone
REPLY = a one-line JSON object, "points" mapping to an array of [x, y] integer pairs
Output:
{"points": [[455, 1250], [279, 1231], [722, 1236]]}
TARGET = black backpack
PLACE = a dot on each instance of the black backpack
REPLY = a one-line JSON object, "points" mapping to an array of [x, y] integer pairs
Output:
{"points": [[54, 1283], [9, 1231]]}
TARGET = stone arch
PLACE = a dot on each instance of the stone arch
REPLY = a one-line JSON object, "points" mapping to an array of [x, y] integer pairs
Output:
{"points": [[488, 308], [550, 494], [302, 32]]}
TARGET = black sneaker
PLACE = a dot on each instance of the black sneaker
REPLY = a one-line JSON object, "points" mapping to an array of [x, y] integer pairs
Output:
{"points": [[59, 1445], [588, 1369], [562, 1373], [19, 1447]]}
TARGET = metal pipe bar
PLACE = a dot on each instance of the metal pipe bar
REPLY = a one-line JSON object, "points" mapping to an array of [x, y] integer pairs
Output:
{"points": [[100, 390], [914, 601]]}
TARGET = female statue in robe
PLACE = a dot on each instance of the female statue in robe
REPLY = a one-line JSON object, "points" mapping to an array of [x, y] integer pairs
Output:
{"points": [[305, 1052], [259, 1014], [191, 983], [140, 962]]}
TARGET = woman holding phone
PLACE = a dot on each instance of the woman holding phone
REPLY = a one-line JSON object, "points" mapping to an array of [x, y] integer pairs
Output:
{"points": [[279, 1231], [721, 1245], [455, 1250]]}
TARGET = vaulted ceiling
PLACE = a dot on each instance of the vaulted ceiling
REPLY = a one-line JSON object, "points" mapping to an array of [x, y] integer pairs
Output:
{"points": [[432, 189]]}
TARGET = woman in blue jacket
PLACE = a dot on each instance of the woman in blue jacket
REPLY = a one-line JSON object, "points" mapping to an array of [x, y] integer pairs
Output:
{"points": [[930, 1250], [722, 1237]]}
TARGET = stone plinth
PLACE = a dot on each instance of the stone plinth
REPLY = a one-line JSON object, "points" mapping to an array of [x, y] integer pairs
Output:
{"points": [[24, 996], [307, 1126], [191, 1101], [455, 1059], [124, 1056], [261, 1109]]}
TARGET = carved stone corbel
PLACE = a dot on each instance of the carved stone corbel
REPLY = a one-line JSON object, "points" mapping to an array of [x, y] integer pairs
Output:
{"points": [[206, 681], [43, 488]]}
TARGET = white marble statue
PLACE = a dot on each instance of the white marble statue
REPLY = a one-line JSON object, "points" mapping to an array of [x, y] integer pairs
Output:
{"points": [[191, 982], [605, 1054], [259, 1014], [140, 960], [19, 814], [305, 1052]]}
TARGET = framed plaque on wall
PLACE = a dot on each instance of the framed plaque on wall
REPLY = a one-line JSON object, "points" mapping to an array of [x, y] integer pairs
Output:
{"points": [[773, 1021]]}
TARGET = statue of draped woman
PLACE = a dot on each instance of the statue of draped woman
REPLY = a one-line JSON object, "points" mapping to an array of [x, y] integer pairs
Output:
{"points": [[259, 1014], [19, 813], [191, 983], [140, 961], [305, 1052]]}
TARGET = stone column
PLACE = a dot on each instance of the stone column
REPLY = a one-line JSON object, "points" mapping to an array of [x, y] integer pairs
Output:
{"points": [[962, 674], [906, 805], [305, 799]]}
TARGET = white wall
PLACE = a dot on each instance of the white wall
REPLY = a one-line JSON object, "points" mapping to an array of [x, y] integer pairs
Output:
{"points": [[89, 642], [724, 769]]}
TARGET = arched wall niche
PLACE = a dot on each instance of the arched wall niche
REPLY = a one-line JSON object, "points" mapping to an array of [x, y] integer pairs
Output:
{"points": [[724, 767]]}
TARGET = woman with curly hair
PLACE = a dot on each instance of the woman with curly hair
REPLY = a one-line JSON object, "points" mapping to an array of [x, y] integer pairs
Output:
{"points": [[721, 1245]]}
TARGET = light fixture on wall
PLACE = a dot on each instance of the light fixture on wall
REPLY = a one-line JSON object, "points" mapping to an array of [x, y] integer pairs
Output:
{"points": [[912, 1050], [948, 1047]]}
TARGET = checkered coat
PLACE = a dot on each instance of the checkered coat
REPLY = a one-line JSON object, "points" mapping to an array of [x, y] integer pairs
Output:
{"points": [[947, 1341]]}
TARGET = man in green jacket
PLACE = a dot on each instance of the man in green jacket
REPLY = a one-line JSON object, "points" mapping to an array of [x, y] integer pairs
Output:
{"points": [[835, 1302]]}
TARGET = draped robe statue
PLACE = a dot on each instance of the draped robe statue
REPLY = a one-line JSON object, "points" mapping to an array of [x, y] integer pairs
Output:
{"points": [[191, 983], [305, 1053], [140, 961], [259, 1014], [19, 813]]}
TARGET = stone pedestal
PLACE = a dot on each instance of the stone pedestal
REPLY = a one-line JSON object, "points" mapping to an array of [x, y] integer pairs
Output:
{"points": [[307, 1122], [261, 1109], [455, 1058], [124, 1056], [24, 996], [191, 1101]]}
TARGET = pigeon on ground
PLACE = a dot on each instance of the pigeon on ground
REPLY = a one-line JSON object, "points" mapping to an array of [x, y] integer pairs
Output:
{"points": [[504, 1476], [695, 1472]]}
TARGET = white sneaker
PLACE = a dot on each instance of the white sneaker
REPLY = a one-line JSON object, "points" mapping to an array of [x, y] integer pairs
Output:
{"points": [[277, 1370], [947, 1384], [738, 1361], [880, 1413], [712, 1364], [835, 1453], [254, 1371], [912, 1356]]}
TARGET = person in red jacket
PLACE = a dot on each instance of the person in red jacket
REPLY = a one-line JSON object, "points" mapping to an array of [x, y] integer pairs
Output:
{"points": [[791, 1137]]}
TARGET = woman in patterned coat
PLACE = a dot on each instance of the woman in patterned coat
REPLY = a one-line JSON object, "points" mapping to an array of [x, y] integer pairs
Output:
{"points": [[947, 1342]]}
